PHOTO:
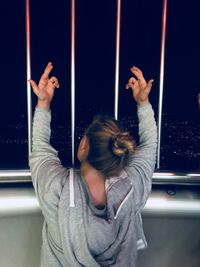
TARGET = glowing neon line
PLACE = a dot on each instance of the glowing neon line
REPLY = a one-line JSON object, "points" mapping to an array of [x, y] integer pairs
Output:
{"points": [[162, 65], [73, 77], [28, 70], [117, 58]]}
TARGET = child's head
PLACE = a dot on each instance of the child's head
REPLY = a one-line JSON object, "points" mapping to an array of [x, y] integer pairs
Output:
{"points": [[107, 146]]}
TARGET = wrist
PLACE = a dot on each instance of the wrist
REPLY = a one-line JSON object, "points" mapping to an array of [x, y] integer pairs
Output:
{"points": [[43, 104], [143, 103]]}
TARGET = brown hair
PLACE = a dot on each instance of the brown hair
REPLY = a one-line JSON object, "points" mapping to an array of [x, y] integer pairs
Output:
{"points": [[110, 146]]}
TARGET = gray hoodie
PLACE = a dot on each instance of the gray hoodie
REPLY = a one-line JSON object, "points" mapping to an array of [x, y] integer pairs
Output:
{"points": [[73, 235]]}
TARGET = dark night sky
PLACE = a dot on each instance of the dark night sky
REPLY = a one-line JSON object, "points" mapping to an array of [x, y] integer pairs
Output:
{"points": [[95, 53]]}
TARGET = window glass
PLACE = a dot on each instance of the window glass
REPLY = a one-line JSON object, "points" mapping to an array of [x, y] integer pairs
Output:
{"points": [[95, 61], [50, 41], [180, 148], [13, 114], [95, 72], [140, 46]]}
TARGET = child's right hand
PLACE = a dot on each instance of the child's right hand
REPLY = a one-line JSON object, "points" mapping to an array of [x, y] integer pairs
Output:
{"points": [[140, 88], [45, 88]]}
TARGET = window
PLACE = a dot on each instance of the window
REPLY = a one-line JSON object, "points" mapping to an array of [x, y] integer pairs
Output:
{"points": [[95, 58]]}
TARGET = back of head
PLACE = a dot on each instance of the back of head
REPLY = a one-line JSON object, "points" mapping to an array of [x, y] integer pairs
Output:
{"points": [[110, 146]]}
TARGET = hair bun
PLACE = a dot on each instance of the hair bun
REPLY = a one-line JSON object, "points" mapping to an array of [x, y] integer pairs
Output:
{"points": [[123, 144]]}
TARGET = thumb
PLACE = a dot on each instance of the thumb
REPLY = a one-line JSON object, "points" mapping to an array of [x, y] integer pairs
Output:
{"points": [[34, 86], [149, 85]]}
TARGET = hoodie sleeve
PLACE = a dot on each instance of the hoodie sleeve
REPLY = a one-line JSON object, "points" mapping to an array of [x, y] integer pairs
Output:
{"points": [[48, 174], [142, 163]]}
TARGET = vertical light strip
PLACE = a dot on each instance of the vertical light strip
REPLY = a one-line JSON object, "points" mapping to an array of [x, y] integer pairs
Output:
{"points": [[162, 65], [117, 58], [28, 75], [73, 77]]}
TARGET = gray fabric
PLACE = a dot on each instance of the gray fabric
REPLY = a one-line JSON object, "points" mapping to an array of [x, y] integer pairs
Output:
{"points": [[98, 212], [73, 235]]}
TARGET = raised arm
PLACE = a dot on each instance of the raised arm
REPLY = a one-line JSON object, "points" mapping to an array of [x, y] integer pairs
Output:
{"points": [[47, 172], [142, 163]]}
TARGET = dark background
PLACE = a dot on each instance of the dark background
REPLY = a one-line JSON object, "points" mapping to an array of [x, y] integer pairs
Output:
{"points": [[95, 71]]}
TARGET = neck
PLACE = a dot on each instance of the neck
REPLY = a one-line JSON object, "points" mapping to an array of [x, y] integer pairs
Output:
{"points": [[96, 183], [90, 174]]}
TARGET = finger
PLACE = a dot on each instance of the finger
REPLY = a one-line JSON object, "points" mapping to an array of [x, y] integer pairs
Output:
{"points": [[34, 86], [136, 68], [54, 84], [127, 86], [137, 73], [131, 81], [47, 70], [54, 81], [149, 85]]}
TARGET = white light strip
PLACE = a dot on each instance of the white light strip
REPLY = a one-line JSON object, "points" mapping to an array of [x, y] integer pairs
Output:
{"points": [[28, 71], [194, 174], [71, 187], [163, 174], [16, 176], [73, 77], [17, 202], [167, 204], [117, 58], [24, 201], [15, 173], [162, 64]]}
